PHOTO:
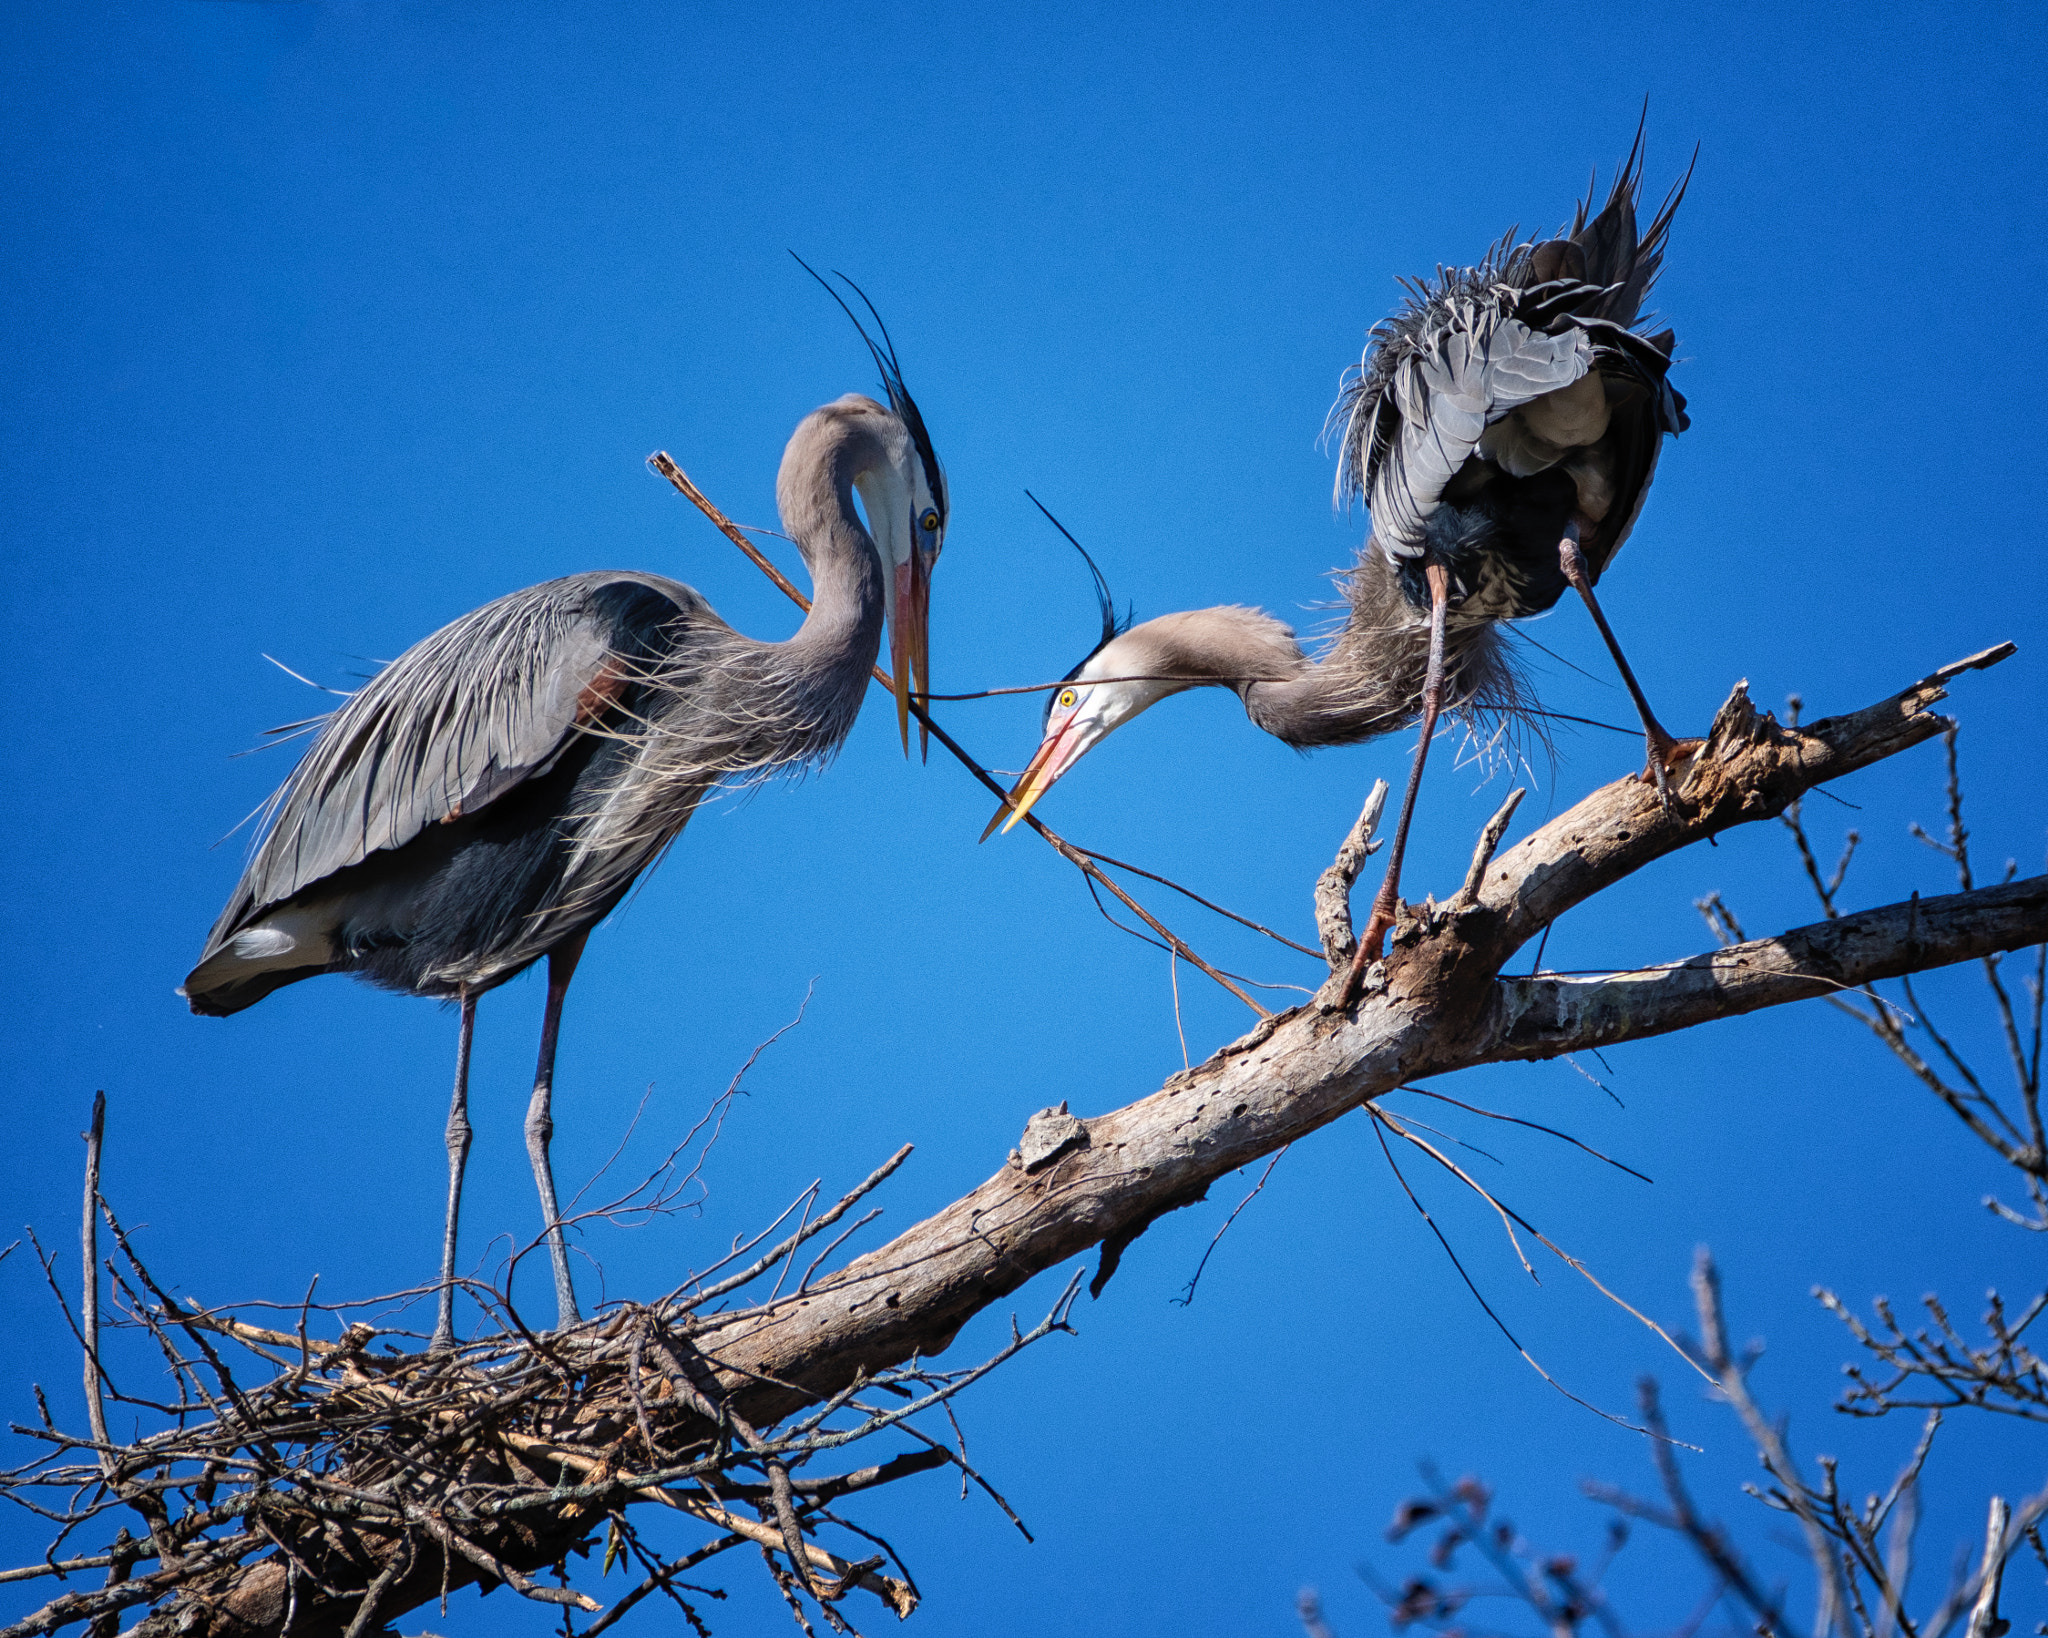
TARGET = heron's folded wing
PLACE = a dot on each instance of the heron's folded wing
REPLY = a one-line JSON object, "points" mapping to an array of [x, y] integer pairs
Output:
{"points": [[452, 724], [1655, 409], [1468, 375]]}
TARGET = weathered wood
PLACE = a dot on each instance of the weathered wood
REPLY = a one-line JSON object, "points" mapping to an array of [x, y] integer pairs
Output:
{"points": [[1333, 887], [1545, 1017], [1435, 1005], [1749, 767]]}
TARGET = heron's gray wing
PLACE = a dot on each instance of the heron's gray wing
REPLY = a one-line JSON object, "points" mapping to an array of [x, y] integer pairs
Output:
{"points": [[449, 726], [1474, 369]]}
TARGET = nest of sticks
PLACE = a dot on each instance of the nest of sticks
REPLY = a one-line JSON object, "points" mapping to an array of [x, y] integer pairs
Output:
{"points": [[293, 1484]]}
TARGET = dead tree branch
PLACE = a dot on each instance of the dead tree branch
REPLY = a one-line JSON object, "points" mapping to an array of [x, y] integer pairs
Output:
{"points": [[1333, 887], [1436, 1005]]}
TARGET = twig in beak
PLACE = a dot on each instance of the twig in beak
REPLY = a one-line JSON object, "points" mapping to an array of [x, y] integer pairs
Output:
{"points": [[1066, 850]]}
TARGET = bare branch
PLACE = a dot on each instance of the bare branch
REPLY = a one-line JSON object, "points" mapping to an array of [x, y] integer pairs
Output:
{"points": [[688, 1404], [1333, 887], [1440, 1007], [89, 1313], [1482, 855], [1984, 1622], [1555, 1014]]}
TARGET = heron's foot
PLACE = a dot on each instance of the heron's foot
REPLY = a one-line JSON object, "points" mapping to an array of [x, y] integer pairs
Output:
{"points": [[1667, 759], [1371, 944]]}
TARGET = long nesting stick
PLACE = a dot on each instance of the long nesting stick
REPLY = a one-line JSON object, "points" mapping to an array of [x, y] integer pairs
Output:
{"points": [[1075, 856]]}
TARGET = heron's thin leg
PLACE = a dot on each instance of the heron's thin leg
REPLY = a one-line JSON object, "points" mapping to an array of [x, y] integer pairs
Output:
{"points": [[458, 1157], [540, 1124], [1383, 906], [1661, 744]]}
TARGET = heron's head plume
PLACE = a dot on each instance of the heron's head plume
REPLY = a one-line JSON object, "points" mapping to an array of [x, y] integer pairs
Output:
{"points": [[908, 507], [1105, 602]]}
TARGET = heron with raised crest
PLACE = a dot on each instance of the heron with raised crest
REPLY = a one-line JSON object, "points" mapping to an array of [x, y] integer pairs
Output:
{"points": [[490, 796], [1503, 428]]}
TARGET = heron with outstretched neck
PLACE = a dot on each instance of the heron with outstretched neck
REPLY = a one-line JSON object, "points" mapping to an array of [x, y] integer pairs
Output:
{"points": [[1503, 428], [491, 795]]}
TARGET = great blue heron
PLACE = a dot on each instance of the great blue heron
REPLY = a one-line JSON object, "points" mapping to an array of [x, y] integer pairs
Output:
{"points": [[1504, 427], [490, 795]]}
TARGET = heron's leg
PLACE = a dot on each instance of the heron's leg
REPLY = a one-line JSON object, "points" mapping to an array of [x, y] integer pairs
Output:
{"points": [[1661, 744], [1369, 944], [458, 1157], [540, 1124]]}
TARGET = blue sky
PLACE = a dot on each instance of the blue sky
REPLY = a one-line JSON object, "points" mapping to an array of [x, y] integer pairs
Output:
{"points": [[327, 322]]}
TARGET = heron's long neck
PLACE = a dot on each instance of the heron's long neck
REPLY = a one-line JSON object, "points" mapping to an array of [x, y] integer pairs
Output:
{"points": [[1370, 681], [1322, 707], [842, 634]]}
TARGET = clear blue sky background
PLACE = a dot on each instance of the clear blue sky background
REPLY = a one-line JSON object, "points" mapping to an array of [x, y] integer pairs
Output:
{"points": [[327, 322]]}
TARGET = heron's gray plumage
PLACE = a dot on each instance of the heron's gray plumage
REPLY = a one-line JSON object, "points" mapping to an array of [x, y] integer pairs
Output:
{"points": [[499, 786], [452, 724], [491, 795], [1503, 427], [1368, 680], [1474, 378]]}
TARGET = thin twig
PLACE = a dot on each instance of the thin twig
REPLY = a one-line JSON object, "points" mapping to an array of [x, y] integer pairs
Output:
{"points": [[816, 1226], [1187, 1295]]}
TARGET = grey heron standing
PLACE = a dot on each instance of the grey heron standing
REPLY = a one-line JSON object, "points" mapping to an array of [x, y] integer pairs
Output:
{"points": [[1503, 427], [490, 796]]}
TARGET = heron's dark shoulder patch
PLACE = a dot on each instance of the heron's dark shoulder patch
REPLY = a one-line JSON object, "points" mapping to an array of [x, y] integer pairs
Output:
{"points": [[641, 615], [637, 599]]}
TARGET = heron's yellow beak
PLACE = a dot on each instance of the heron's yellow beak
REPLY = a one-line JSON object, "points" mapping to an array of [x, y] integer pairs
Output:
{"points": [[910, 656], [1056, 753]]}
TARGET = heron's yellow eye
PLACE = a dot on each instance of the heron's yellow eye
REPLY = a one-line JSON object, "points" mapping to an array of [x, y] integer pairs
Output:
{"points": [[929, 523], [1067, 698]]}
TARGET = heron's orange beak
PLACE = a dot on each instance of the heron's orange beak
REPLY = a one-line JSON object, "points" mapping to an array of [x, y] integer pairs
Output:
{"points": [[910, 656], [1057, 752]]}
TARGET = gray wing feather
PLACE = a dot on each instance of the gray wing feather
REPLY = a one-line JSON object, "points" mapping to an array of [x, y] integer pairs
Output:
{"points": [[449, 726], [1445, 395]]}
